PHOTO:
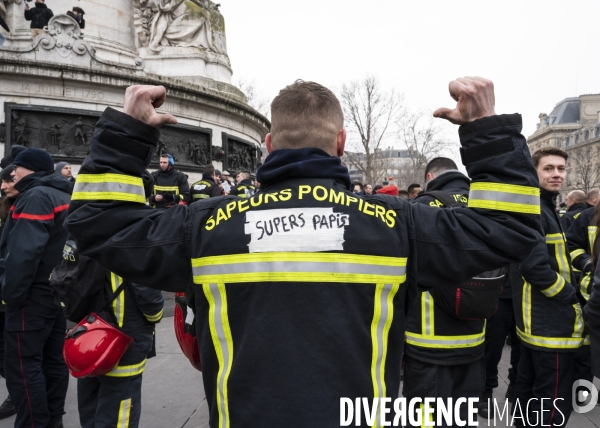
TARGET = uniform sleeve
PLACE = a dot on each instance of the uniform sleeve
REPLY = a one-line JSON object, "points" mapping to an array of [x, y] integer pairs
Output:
{"points": [[28, 14], [108, 215], [184, 189], [537, 272], [577, 237], [592, 309], [566, 221], [150, 302], [502, 222], [34, 219]]}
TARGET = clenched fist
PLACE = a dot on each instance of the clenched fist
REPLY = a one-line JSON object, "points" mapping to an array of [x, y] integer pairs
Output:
{"points": [[474, 98], [141, 102]]}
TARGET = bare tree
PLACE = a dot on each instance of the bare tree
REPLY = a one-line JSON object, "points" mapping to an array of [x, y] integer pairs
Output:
{"points": [[369, 111], [255, 100], [584, 169], [423, 137]]}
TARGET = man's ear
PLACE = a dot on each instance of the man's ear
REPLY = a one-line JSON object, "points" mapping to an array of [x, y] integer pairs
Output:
{"points": [[341, 142], [430, 176], [269, 143]]}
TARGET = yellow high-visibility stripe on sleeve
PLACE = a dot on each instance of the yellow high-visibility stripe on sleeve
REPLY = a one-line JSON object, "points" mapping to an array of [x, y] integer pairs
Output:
{"points": [[576, 253], [154, 317], [555, 288], [109, 187], [505, 197]]}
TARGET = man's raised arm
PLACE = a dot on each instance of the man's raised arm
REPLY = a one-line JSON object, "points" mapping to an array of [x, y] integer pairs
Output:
{"points": [[108, 215]]}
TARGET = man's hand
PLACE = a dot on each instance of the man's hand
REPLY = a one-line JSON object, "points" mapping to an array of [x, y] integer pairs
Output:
{"points": [[26, 6], [474, 98], [141, 102], [158, 198]]}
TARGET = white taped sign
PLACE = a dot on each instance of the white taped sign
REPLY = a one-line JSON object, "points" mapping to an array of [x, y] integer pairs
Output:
{"points": [[296, 229]]}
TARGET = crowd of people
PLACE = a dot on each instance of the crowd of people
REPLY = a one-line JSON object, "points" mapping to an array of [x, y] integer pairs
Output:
{"points": [[308, 287]]}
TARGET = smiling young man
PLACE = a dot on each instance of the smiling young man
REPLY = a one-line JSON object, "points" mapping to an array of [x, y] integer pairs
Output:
{"points": [[547, 310]]}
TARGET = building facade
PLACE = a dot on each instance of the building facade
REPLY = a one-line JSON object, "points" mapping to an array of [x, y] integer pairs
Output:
{"points": [[387, 163], [574, 126]]}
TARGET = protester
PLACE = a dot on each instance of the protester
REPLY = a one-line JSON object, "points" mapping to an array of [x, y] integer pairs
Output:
{"points": [[592, 309], [77, 14], [7, 408], [64, 169], [244, 187], [593, 197], [575, 205], [39, 16], [115, 399], [346, 307], [403, 194], [14, 151], [170, 186], [226, 182], [443, 354], [207, 186], [413, 190], [31, 246], [544, 284], [368, 189], [358, 188], [388, 190]]}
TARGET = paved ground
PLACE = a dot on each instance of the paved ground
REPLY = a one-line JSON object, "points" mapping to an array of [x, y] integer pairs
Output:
{"points": [[173, 396]]}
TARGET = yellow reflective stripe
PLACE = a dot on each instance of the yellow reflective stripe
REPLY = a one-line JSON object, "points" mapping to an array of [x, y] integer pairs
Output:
{"points": [[555, 288], [154, 318], [586, 340], [167, 189], [111, 187], [298, 266], [446, 342], [118, 304], [550, 342], [560, 249], [124, 414], [128, 371], [576, 253], [200, 196], [579, 324], [427, 314], [586, 281], [526, 303], [220, 332], [383, 314], [505, 197], [591, 235]]}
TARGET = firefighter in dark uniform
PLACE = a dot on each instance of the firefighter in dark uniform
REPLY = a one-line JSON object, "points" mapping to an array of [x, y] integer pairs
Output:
{"points": [[592, 309], [206, 188], [576, 203], [31, 246], [547, 310], [114, 400], [304, 284], [580, 239], [244, 187], [443, 355], [170, 186]]}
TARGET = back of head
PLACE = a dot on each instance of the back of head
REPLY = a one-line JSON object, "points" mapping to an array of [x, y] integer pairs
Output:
{"points": [[78, 10], [577, 196], [548, 151], [592, 195], [306, 114], [412, 187], [245, 175], [209, 169], [439, 165]]}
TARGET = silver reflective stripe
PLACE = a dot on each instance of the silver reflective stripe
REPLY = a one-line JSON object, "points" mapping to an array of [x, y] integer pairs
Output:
{"points": [[200, 196], [288, 266], [227, 357], [561, 255], [124, 413], [514, 198], [118, 303], [427, 341], [574, 342], [109, 187], [124, 371], [428, 313], [555, 288]]}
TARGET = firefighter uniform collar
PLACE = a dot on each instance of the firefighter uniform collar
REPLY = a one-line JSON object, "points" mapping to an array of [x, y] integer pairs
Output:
{"points": [[442, 181], [548, 196], [44, 178], [310, 162]]}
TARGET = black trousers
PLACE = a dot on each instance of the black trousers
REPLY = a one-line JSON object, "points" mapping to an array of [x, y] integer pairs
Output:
{"points": [[432, 380], [544, 375], [498, 327], [36, 375], [2, 322], [109, 402], [583, 364]]}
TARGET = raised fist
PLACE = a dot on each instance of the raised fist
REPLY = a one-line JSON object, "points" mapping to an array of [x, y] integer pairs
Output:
{"points": [[474, 98], [141, 102]]}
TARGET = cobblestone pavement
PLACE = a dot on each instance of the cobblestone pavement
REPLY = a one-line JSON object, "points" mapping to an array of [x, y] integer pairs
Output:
{"points": [[173, 396]]}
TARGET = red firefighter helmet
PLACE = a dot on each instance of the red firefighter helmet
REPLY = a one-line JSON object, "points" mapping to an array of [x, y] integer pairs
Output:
{"points": [[94, 347], [187, 342]]}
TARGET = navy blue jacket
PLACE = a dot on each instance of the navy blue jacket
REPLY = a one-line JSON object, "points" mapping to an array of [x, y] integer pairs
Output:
{"points": [[33, 238]]}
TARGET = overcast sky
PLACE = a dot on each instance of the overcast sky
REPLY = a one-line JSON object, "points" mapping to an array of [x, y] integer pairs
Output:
{"points": [[536, 52]]}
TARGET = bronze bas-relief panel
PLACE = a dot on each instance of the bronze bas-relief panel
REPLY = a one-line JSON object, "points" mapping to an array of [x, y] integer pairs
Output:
{"points": [[240, 155]]}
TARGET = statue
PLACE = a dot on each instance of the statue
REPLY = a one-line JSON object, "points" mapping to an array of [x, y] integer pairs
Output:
{"points": [[79, 133], [3, 4], [182, 23], [20, 129]]}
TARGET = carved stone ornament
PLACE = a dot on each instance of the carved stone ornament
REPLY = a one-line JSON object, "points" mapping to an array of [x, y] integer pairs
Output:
{"points": [[218, 153], [240, 155], [64, 35]]}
